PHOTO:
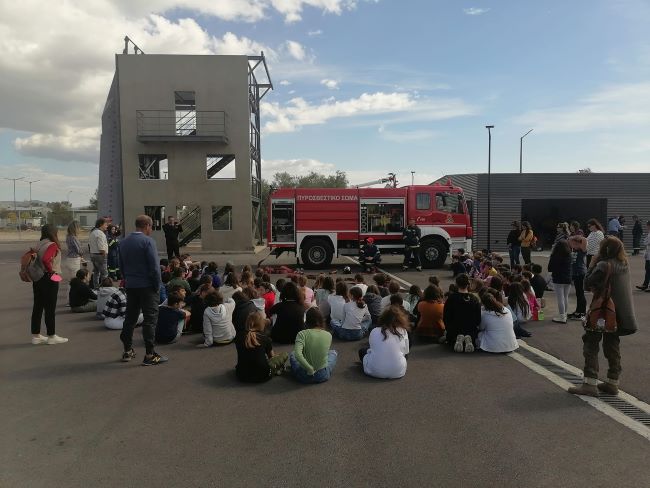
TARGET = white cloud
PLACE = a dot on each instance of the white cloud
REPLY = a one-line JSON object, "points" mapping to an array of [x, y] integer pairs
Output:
{"points": [[299, 112], [72, 145], [285, 82], [315, 33], [393, 107], [613, 107], [475, 11], [300, 167], [331, 84], [292, 9], [406, 136], [296, 50]]}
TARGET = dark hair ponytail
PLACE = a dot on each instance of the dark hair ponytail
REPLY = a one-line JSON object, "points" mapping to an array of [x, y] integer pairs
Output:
{"points": [[357, 295]]}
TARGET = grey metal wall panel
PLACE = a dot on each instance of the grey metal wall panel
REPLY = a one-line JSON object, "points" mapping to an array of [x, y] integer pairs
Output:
{"points": [[626, 194], [110, 201]]}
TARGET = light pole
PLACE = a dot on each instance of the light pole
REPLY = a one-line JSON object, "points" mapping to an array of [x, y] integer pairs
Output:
{"points": [[31, 206], [412, 178], [15, 208], [521, 150], [489, 194]]}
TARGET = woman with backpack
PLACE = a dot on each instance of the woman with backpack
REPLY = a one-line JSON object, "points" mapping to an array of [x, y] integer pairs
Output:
{"points": [[607, 277], [526, 239], [47, 264]]}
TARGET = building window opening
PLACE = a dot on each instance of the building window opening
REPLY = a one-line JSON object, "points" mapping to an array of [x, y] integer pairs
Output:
{"points": [[222, 217], [220, 166], [153, 167], [185, 102], [157, 214]]}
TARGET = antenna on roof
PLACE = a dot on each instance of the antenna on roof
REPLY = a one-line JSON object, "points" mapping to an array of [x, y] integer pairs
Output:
{"points": [[136, 49]]}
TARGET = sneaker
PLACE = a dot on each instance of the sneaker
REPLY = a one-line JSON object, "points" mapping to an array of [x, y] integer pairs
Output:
{"points": [[459, 346], [584, 389], [576, 316], [469, 347], [405, 268], [642, 288], [154, 360], [560, 319], [41, 339], [419, 268], [55, 339], [128, 355]]}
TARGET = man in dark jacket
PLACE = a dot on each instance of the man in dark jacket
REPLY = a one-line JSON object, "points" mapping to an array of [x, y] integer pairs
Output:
{"points": [[172, 229], [141, 271], [637, 234], [411, 237]]}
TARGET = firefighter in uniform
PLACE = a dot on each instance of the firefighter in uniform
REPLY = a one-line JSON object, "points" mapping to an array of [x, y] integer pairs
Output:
{"points": [[411, 237], [369, 255]]}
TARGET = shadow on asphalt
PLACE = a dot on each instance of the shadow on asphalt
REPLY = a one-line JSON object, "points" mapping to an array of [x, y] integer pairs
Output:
{"points": [[55, 371]]}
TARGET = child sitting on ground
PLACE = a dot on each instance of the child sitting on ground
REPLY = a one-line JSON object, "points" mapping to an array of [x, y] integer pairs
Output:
{"points": [[256, 360], [312, 360], [106, 289], [389, 346], [82, 298], [218, 329], [171, 320], [430, 312], [532, 300]]}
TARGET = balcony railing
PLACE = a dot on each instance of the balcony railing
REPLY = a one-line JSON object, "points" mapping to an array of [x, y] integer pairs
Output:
{"points": [[182, 125]]}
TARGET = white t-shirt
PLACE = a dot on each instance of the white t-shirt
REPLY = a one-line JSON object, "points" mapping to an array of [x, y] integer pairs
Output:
{"points": [[336, 303], [217, 323], [385, 303], [363, 286], [353, 316], [386, 358], [228, 291], [496, 333]]}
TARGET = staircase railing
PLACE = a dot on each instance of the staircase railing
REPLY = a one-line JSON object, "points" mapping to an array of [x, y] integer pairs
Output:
{"points": [[191, 224]]}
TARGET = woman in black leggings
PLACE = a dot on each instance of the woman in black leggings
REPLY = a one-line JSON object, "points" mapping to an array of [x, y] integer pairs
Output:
{"points": [[46, 288]]}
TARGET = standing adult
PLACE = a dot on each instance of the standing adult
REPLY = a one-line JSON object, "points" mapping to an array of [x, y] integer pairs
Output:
{"points": [[621, 220], [141, 271], [72, 261], [637, 234], [609, 272], [646, 242], [562, 232], [172, 229], [113, 259], [574, 229], [559, 265], [514, 246], [526, 239], [614, 227], [46, 288], [578, 246], [411, 237], [595, 236], [98, 245]]}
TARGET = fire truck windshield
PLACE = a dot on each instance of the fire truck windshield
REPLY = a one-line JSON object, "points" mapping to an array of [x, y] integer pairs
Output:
{"points": [[449, 202]]}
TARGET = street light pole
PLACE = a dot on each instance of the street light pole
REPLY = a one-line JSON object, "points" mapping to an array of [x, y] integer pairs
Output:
{"points": [[521, 150], [489, 195], [16, 208], [31, 206], [68, 200]]}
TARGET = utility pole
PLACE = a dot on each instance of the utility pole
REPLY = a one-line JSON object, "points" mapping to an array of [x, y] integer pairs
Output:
{"points": [[412, 178], [31, 206], [16, 208], [70, 203], [521, 151]]}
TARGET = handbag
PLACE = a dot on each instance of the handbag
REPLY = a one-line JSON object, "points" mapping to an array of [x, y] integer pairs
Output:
{"points": [[601, 316]]}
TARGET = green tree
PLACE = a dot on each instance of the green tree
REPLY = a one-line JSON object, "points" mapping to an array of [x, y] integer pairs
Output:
{"points": [[60, 214], [92, 204]]}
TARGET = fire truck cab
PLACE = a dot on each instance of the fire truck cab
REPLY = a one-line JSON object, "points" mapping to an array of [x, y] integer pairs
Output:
{"points": [[320, 223]]}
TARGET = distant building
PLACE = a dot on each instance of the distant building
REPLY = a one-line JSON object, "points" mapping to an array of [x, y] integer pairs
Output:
{"points": [[544, 199], [181, 137], [85, 217]]}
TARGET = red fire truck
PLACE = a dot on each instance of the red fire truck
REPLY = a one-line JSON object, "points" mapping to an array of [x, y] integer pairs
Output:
{"points": [[319, 223]]}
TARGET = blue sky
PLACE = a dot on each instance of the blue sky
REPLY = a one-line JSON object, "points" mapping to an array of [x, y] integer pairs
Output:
{"points": [[367, 87]]}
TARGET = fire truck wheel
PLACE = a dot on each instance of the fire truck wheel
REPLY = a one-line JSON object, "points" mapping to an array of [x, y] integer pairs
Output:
{"points": [[317, 253], [433, 253]]}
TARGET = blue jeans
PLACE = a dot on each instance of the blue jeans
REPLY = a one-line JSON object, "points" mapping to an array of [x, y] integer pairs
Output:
{"points": [[349, 334], [514, 252], [319, 376]]}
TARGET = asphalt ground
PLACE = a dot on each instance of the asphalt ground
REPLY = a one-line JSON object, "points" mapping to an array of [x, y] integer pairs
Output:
{"points": [[74, 416]]}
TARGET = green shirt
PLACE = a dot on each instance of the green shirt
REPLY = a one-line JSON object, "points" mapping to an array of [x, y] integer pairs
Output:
{"points": [[311, 348], [180, 282]]}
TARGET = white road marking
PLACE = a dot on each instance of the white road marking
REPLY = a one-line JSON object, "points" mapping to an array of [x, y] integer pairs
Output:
{"points": [[602, 407]]}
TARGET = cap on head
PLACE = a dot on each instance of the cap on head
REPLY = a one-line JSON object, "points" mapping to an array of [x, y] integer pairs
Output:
{"points": [[370, 240]]}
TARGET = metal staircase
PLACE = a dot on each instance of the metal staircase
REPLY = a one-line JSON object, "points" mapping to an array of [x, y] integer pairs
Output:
{"points": [[191, 224], [217, 163]]}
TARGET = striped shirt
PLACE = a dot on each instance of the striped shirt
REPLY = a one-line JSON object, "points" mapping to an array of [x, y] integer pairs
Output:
{"points": [[74, 246], [593, 242], [115, 306]]}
